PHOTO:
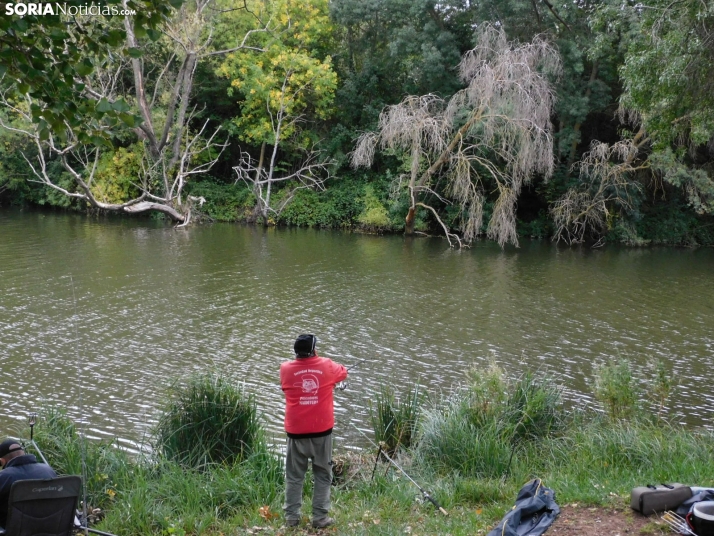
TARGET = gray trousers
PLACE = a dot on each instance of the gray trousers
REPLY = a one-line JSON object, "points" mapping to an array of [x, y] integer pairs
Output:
{"points": [[319, 450]]}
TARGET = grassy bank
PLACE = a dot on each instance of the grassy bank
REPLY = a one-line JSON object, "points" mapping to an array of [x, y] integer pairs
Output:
{"points": [[472, 450]]}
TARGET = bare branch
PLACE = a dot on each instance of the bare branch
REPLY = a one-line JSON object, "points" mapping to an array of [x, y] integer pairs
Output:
{"points": [[243, 45], [449, 235], [607, 174]]}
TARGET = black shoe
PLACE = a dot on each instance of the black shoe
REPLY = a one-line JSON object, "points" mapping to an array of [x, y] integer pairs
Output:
{"points": [[292, 522], [322, 523]]}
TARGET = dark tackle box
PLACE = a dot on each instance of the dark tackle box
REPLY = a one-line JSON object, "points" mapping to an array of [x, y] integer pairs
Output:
{"points": [[650, 499]]}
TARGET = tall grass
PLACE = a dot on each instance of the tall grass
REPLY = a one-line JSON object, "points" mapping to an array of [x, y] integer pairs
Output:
{"points": [[183, 490], [465, 443], [165, 497], [208, 420], [108, 467], [394, 419], [478, 429], [616, 387]]}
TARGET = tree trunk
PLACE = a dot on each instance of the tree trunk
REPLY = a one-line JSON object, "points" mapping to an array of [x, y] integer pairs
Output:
{"points": [[409, 226], [443, 158]]}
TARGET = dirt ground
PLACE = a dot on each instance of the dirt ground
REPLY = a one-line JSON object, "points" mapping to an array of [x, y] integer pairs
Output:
{"points": [[576, 520]]}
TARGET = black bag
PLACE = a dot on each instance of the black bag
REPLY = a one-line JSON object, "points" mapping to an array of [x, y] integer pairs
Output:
{"points": [[650, 499], [534, 511]]}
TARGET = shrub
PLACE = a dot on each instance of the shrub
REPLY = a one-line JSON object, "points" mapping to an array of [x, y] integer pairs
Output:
{"points": [[224, 202], [208, 420], [375, 216]]}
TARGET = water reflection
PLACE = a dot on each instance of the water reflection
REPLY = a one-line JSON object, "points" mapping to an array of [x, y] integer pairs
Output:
{"points": [[98, 315]]}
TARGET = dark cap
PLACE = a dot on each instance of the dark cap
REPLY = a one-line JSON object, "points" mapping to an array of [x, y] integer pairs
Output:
{"points": [[305, 345], [5, 447]]}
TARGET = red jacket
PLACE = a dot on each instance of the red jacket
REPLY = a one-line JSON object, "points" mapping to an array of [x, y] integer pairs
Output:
{"points": [[308, 384]]}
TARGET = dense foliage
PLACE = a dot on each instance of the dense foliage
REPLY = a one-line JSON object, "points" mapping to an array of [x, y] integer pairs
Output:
{"points": [[235, 110]]}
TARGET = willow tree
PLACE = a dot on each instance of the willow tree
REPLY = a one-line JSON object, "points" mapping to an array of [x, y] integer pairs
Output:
{"points": [[492, 136]]}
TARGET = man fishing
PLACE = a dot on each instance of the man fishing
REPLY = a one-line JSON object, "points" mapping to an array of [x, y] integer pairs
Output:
{"points": [[308, 382], [17, 466]]}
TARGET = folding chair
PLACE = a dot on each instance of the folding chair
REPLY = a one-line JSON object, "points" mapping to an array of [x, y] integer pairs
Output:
{"points": [[43, 507]]}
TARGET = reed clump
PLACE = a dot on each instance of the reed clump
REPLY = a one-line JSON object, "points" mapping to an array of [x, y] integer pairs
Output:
{"points": [[394, 418], [478, 429], [627, 393], [208, 420], [211, 461]]}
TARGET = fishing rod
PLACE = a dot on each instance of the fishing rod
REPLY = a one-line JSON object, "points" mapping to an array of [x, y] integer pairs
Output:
{"points": [[425, 493], [32, 420], [83, 436], [343, 384], [355, 364]]}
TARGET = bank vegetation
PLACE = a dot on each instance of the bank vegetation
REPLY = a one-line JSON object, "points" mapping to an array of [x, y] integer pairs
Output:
{"points": [[213, 469], [587, 122]]}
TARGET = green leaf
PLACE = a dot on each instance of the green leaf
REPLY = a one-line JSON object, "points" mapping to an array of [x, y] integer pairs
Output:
{"points": [[85, 67], [128, 119], [23, 88], [21, 25], [135, 52], [114, 38], [101, 141], [120, 106], [154, 35], [104, 106]]}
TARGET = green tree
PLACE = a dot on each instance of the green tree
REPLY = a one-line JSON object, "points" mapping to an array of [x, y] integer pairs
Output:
{"points": [[666, 120], [280, 94], [392, 48], [139, 96], [668, 77], [48, 55]]}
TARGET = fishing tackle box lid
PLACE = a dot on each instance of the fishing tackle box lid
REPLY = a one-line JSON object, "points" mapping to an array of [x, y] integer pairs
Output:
{"points": [[650, 499]]}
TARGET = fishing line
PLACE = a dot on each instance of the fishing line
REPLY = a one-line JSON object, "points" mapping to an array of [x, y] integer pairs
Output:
{"points": [[83, 438]]}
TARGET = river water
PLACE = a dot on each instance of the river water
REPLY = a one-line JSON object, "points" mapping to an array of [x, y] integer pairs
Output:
{"points": [[100, 315]]}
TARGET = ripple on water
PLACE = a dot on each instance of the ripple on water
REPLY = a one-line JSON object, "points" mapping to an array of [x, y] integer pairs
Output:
{"points": [[99, 316]]}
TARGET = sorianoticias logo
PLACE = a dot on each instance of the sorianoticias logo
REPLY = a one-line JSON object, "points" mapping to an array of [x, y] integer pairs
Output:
{"points": [[309, 384], [56, 8]]}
